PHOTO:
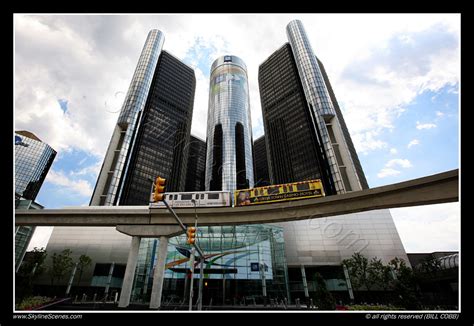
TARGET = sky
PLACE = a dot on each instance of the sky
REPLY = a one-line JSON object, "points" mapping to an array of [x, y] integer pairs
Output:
{"points": [[396, 78]]}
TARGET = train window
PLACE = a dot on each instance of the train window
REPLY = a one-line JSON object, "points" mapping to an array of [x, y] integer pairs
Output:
{"points": [[197, 196], [202, 196], [175, 197], [213, 196], [302, 186], [273, 190], [186, 197]]}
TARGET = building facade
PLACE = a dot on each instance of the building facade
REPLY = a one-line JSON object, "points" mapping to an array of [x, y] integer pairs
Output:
{"points": [[313, 142], [229, 163], [196, 168], [33, 159]]}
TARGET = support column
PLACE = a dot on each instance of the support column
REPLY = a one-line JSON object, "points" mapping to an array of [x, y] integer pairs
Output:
{"points": [[305, 286], [109, 280], [348, 282], [129, 273], [71, 279], [158, 277]]}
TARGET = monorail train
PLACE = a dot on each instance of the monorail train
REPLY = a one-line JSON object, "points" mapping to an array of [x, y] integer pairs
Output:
{"points": [[244, 197], [200, 198]]}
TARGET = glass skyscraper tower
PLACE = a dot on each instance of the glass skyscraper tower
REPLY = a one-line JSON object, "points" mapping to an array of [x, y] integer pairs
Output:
{"points": [[152, 129], [33, 159], [306, 138], [229, 163]]}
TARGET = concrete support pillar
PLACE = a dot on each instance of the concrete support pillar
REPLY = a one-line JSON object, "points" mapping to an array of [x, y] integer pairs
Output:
{"points": [[71, 279], [129, 273], [158, 277], [305, 286], [348, 282], [109, 280]]}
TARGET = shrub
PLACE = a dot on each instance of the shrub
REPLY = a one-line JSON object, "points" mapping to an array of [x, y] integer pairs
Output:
{"points": [[30, 303]]}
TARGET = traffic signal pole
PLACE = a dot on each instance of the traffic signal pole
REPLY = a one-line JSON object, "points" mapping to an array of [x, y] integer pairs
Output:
{"points": [[201, 258]]}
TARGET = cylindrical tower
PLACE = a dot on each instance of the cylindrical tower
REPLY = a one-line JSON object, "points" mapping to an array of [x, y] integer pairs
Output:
{"points": [[110, 181], [318, 98], [229, 163]]}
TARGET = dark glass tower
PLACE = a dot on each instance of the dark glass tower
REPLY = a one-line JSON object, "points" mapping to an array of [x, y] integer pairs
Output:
{"points": [[262, 177], [152, 130], [196, 167], [307, 138], [312, 142], [293, 150], [160, 147]]}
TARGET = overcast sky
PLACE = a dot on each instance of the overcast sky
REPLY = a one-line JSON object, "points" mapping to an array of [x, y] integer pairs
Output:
{"points": [[396, 78]]}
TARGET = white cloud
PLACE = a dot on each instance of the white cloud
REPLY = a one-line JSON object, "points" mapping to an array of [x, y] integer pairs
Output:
{"points": [[79, 186], [393, 151], [439, 113], [421, 126], [387, 172], [429, 228], [366, 141], [402, 163], [91, 170], [413, 143]]}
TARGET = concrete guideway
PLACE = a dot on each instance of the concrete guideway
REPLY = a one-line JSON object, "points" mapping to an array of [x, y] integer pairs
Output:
{"points": [[434, 189]]}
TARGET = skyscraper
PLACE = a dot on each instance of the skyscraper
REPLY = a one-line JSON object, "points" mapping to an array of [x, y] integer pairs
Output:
{"points": [[196, 165], [262, 177], [33, 159], [314, 142], [229, 163], [152, 129]]}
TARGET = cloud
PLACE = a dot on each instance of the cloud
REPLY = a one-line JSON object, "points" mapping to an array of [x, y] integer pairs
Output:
{"points": [[439, 113], [377, 86], [366, 141], [393, 151], [387, 172], [413, 143], [421, 126], [438, 226], [78, 186], [402, 163], [91, 170]]}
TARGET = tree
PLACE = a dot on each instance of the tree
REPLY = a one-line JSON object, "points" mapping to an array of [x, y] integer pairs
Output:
{"points": [[324, 300], [62, 264], [31, 267], [379, 274], [358, 267], [405, 284], [83, 262]]}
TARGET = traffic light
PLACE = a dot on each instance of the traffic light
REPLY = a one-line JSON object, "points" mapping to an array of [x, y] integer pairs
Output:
{"points": [[191, 233], [159, 189]]}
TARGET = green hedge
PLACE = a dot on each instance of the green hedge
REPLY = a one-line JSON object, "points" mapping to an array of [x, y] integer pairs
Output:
{"points": [[32, 302]]}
